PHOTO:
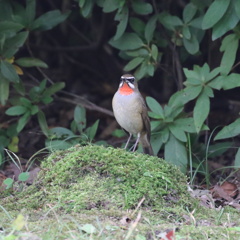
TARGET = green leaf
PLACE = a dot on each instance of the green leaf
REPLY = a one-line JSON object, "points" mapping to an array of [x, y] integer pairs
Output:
{"points": [[6, 10], [189, 12], [34, 109], [178, 132], [237, 7], [122, 17], [230, 47], [141, 7], [169, 21], [150, 28], [137, 25], [155, 106], [80, 117], [154, 52], [186, 32], [31, 62], [9, 182], [9, 27], [227, 23], [232, 130], [12, 45], [201, 111], [214, 13], [49, 20], [8, 71], [60, 132], [26, 102], [110, 6], [53, 89], [231, 81], [217, 83], [186, 124], [133, 64], [24, 176], [175, 152], [165, 133], [30, 11], [88, 228], [4, 90], [43, 123], [156, 142], [16, 110], [86, 8], [91, 131], [23, 121], [191, 45], [128, 41], [237, 159]]}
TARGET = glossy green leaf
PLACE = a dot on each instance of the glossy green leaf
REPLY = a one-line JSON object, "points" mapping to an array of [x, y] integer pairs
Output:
{"points": [[227, 23], [231, 81], [23, 121], [24, 176], [229, 46], [4, 90], [155, 106], [189, 12], [214, 13], [133, 64], [175, 152], [8, 71], [31, 62], [43, 123], [16, 110], [122, 17], [49, 20], [128, 41], [232, 130], [141, 7], [201, 111]]}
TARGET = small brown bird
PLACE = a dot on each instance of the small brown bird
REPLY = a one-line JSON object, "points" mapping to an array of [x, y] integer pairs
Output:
{"points": [[130, 111]]}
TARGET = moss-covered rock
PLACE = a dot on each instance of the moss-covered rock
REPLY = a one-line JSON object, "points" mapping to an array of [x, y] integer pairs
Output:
{"points": [[104, 178]]}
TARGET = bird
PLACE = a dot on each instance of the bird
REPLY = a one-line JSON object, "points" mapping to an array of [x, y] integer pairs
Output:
{"points": [[131, 113]]}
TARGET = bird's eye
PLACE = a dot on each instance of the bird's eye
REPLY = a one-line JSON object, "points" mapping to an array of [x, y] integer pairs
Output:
{"points": [[131, 80]]}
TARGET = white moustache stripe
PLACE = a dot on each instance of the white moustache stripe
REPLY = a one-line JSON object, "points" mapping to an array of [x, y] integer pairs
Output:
{"points": [[130, 85]]}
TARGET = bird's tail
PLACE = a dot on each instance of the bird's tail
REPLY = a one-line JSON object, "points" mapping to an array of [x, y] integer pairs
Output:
{"points": [[145, 141]]}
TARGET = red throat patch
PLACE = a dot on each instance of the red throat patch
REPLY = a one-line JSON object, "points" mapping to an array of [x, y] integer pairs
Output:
{"points": [[125, 89]]}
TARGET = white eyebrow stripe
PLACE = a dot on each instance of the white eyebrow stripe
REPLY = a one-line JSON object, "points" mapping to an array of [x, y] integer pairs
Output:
{"points": [[130, 85]]}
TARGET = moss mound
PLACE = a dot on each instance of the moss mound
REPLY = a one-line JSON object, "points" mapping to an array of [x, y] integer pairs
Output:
{"points": [[105, 178]]}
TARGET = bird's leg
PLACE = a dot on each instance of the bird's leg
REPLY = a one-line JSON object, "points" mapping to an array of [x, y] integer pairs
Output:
{"points": [[136, 143], [130, 136]]}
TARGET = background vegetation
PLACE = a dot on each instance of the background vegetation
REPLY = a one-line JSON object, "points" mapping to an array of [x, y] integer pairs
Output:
{"points": [[61, 58]]}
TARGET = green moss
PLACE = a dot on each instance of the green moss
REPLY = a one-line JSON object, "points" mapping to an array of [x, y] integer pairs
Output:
{"points": [[92, 177]]}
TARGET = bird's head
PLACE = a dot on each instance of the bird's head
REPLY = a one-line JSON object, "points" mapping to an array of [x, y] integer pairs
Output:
{"points": [[128, 84]]}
